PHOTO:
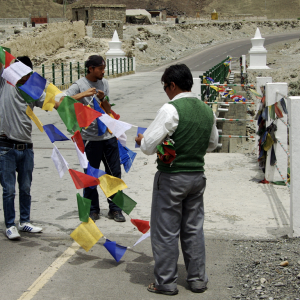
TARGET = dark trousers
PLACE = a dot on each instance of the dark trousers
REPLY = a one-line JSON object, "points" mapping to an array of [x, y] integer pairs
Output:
{"points": [[106, 151]]}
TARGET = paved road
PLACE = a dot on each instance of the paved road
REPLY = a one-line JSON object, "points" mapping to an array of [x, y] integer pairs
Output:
{"points": [[209, 57], [236, 207]]}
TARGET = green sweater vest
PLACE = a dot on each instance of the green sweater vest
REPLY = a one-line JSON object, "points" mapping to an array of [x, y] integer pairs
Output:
{"points": [[191, 136]]}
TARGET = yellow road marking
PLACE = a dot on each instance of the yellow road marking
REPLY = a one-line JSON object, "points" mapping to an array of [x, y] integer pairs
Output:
{"points": [[49, 272]]}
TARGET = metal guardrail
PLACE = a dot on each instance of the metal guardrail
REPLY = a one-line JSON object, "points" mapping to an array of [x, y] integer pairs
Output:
{"points": [[218, 73], [63, 75]]}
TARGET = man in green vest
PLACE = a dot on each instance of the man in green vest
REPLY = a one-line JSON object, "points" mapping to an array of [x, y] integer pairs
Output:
{"points": [[177, 201]]}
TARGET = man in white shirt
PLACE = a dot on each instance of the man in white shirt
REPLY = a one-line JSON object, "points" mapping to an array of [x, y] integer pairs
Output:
{"points": [[177, 201]]}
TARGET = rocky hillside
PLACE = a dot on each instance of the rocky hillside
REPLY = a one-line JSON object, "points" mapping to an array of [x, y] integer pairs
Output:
{"points": [[275, 9]]}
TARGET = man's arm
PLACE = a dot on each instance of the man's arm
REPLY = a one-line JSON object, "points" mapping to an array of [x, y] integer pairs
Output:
{"points": [[214, 137], [88, 93]]}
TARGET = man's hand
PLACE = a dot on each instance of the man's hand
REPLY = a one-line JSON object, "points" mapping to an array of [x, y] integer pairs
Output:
{"points": [[100, 95], [90, 92], [139, 138], [106, 106], [57, 104]]}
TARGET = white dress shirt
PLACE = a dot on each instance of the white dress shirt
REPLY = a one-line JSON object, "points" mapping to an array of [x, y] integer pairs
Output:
{"points": [[165, 124]]}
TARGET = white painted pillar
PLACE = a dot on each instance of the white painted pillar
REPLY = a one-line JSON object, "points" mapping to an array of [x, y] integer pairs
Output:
{"points": [[196, 88], [260, 81], [272, 97], [293, 107], [244, 63]]}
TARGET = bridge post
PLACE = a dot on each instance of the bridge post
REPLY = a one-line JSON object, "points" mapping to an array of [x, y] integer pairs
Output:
{"points": [[274, 92], [294, 143]]}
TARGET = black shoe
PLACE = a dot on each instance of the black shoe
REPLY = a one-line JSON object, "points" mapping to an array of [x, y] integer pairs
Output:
{"points": [[94, 216], [195, 288], [116, 215]]}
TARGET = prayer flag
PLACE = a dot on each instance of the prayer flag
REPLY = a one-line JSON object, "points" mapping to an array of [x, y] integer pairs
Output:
{"points": [[15, 72], [49, 101], [273, 158], [254, 92], [116, 116], [268, 143], [77, 138], [166, 152], [117, 127], [82, 180], [110, 185], [66, 111], [142, 226], [84, 206], [94, 172], [140, 130], [34, 86], [278, 111], [85, 115], [26, 97], [2, 54], [283, 105], [8, 59], [272, 112], [34, 118], [126, 157], [101, 126], [117, 251], [54, 134], [214, 88], [143, 237], [60, 163], [123, 138], [82, 158], [87, 234], [124, 202]]}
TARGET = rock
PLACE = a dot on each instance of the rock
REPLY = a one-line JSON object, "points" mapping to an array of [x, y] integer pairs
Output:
{"points": [[263, 280], [277, 284], [16, 31], [141, 45], [284, 263], [298, 276]]}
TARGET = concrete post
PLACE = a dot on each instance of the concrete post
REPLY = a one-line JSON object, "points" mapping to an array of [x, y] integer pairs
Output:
{"points": [[293, 106], [197, 87], [244, 63], [260, 81], [272, 96]]}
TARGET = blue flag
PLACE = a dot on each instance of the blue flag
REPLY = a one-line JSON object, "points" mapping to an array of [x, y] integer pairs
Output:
{"points": [[34, 86], [139, 130], [95, 173], [115, 250], [101, 126], [54, 134], [126, 157]]}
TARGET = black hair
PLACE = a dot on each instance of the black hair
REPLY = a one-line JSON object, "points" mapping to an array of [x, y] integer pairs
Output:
{"points": [[25, 60], [180, 75], [94, 61]]}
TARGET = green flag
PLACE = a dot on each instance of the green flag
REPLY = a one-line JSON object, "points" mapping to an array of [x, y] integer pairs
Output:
{"points": [[124, 202], [84, 206], [2, 54], [66, 111], [25, 96], [272, 112]]}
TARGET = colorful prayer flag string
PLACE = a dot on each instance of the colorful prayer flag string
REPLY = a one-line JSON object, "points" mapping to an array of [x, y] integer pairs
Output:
{"points": [[216, 102], [234, 120], [237, 136], [286, 124], [283, 148], [227, 84]]}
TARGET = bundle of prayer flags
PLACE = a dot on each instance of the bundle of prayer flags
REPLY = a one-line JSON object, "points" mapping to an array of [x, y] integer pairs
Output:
{"points": [[85, 115], [82, 180], [142, 226], [87, 234], [124, 202], [66, 112], [34, 86], [110, 185], [166, 152], [117, 251], [84, 206], [54, 134]]}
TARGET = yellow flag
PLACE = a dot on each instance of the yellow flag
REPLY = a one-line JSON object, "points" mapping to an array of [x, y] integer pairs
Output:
{"points": [[34, 118], [87, 234], [51, 92], [214, 87], [111, 185]]}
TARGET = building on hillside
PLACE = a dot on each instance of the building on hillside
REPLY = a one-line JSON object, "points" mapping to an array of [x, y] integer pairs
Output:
{"points": [[138, 16], [104, 18]]}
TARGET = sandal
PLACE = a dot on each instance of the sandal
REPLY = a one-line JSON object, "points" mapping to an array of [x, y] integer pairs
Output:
{"points": [[151, 288]]}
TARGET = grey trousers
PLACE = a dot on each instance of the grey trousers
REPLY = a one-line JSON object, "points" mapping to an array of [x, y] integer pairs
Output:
{"points": [[177, 210]]}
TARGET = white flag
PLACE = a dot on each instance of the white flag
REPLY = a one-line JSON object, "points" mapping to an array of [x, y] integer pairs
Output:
{"points": [[115, 126], [81, 157], [143, 237], [123, 138], [15, 72], [60, 163]]}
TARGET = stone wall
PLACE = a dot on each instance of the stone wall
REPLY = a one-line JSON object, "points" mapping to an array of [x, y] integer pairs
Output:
{"points": [[106, 28], [91, 13]]}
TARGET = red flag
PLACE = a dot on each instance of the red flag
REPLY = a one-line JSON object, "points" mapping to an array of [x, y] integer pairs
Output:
{"points": [[8, 59], [76, 138], [116, 116], [82, 180], [85, 115], [142, 226], [278, 111]]}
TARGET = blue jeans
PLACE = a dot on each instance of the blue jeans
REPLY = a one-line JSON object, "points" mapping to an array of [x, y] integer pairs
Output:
{"points": [[106, 151], [12, 161]]}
